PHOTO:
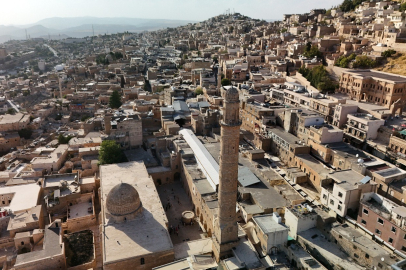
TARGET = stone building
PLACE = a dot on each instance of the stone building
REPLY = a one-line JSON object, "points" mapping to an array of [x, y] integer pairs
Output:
{"points": [[14, 122], [361, 248], [344, 191], [362, 127], [271, 232], [300, 218], [51, 256], [384, 219], [125, 129], [254, 117], [381, 88], [134, 231]]}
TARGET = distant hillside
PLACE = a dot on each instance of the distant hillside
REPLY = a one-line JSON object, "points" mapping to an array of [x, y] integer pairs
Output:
{"points": [[82, 26]]}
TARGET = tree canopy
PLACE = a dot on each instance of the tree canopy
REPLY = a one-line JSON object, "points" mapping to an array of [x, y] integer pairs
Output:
{"points": [[344, 61], [11, 111], [115, 100], [25, 133], [225, 82], [64, 140], [388, 53], [312, 51], [199, 91], [319, 78], [348, 5], [363, 61], [110, 153]]}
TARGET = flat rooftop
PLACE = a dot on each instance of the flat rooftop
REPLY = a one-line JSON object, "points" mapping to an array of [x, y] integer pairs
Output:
{"points": [[391, 172], [25, 196], [332, 252], [378, 75], [145, 234], [268, 224], [361, 241], [80, 210], [347, 176], [246, 253], [55, 180]]}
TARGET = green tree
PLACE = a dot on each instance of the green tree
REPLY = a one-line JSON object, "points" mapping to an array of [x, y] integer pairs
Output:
{"points": [[344, 61], [199, 91], [58, 117], [147, 86], [312, 52], [64, 140], [402, 7], [388, 53], [11, 111], [84, 118], [115, 100], [363, 61], [110, 153], [319, 78], [25, 133], [225, 82], [347, 5], [118, 55]]}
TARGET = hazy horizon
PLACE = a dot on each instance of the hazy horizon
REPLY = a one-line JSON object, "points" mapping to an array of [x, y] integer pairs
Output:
{"points": [[30, 12]]}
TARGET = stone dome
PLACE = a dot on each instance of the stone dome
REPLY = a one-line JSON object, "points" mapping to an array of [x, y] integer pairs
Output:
{"points": [[123, 201], [231, 94]]}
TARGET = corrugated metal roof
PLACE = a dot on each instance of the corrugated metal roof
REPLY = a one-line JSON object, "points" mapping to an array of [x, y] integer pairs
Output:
{"points": [[246, 177], [204, 104], [206, 162], [179, 105], [365, 179]]}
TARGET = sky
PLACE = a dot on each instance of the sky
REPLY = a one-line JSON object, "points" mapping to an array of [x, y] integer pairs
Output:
{"points": [[20, 12]]}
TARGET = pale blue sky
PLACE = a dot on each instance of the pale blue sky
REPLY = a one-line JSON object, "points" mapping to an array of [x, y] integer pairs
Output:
{"points": [[30, 11]]}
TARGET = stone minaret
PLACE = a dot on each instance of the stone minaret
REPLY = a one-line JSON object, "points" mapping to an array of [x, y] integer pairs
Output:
{"points": [[225, 227]]}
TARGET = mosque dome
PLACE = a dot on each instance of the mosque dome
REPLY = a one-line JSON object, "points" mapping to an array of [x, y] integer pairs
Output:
{"points": [[123, 201], [231, 94]]}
